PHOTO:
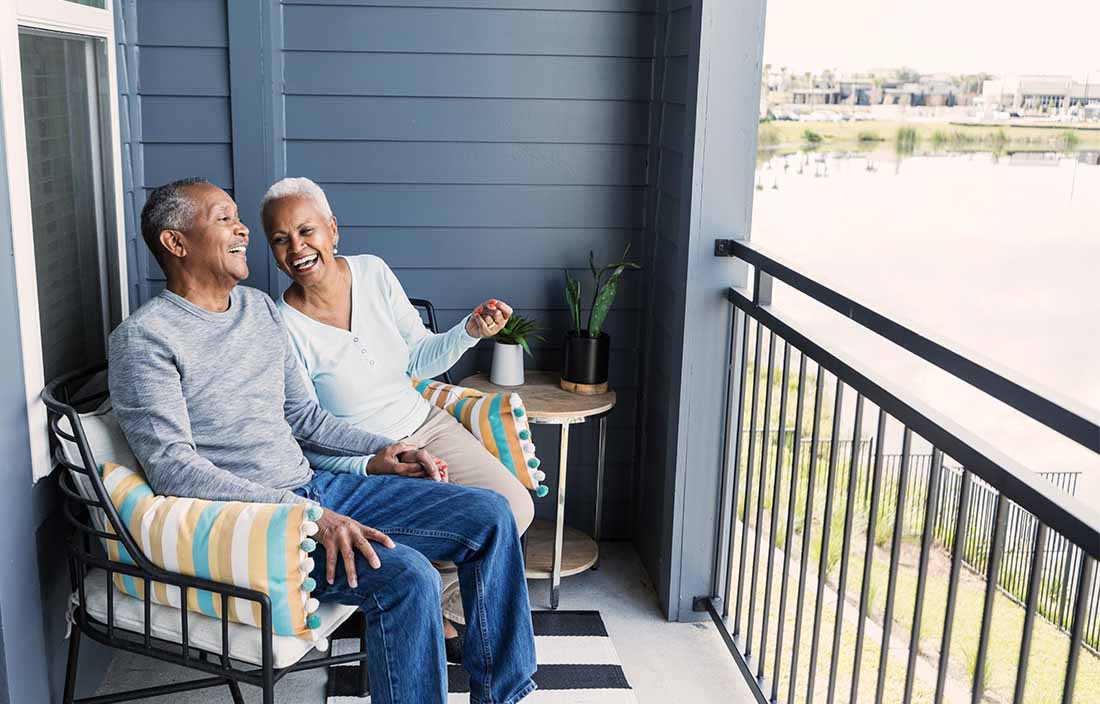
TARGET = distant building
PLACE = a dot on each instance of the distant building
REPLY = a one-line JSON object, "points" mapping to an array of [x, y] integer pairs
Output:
{"points": [[1039, 94]]}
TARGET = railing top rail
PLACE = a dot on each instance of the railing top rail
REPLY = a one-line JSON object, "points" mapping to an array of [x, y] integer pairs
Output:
{"points": [[1069, 516], [1057, 412]]}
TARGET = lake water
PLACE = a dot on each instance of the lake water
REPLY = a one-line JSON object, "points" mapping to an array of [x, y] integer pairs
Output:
{"points": [[999, 255]]}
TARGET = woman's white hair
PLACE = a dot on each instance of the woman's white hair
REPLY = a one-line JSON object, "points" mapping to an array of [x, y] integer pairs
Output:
{"points": [[299, 187]]}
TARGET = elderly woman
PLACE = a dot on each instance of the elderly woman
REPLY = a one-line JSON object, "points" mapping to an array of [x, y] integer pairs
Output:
{"points": [[360, 341]]}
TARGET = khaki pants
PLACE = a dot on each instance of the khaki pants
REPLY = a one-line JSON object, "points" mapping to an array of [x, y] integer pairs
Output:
{"points": [[469, 464]]}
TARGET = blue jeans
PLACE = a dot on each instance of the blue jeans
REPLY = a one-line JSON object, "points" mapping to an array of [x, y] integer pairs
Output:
{"points": [[427, 520]]}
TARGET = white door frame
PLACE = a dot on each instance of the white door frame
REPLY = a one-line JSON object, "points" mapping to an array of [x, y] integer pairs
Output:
{"points": [[70, 18]]}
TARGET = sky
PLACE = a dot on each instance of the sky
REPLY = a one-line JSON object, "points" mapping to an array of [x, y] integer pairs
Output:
{"points": [[955, 36]]}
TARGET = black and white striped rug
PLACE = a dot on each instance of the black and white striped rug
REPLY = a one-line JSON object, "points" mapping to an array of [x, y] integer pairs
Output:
{"points": [[577, 661]]}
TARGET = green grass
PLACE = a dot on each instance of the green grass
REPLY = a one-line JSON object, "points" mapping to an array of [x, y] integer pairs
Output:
{"points": [[1049, 644], [950, 135]]}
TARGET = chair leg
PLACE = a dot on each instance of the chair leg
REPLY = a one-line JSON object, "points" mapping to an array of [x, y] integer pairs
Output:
{"points": [[70, 667], [364, 673], [235, 692]]}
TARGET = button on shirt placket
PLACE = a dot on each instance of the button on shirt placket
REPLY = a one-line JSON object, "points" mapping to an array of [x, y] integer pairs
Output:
{"points": [[362, 350]]}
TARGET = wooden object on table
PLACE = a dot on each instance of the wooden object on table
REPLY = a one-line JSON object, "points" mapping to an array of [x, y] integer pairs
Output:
{"points": [[545, 400], [583, 389]]}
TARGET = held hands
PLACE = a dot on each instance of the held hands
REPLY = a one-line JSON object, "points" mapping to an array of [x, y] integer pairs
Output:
{"points": [[407, 460], [343, 536], [488, 318]]}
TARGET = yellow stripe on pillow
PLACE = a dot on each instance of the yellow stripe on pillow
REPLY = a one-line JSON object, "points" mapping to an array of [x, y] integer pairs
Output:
{"points": [[498, 421], [252, 545]]}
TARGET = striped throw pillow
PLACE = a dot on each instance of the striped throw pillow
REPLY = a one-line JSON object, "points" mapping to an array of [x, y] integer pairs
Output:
{"points": [[498, 421], [252, 545]]}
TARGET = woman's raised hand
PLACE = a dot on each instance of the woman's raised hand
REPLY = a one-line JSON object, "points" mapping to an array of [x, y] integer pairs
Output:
{"points": [[488, 318]]}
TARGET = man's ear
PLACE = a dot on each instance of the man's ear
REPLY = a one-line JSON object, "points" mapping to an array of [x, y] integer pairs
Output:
{"points": [[172, 241]]}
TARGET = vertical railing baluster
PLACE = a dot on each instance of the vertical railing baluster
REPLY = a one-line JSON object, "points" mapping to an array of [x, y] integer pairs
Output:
{"points": [[961, 522], [827, 519], [148, 610], [845, 545], [748, 478], [757, 526], [869, 551], [1033, 583], [807, 525], [895, 559], [186, 642], [931, 506], [772, 532], [796, 454], [1080, 611], [110, 603], [734, 467], [993, 567]]}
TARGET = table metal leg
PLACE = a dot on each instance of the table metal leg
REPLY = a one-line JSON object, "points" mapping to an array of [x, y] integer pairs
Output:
{"points": [[559, 527], [599, 488]]}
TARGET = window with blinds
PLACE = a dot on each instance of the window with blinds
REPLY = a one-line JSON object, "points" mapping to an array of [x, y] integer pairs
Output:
{"points": [[61, 103]]}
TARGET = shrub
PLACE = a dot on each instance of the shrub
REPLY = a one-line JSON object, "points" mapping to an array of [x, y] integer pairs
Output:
{"points": [[868, 136], [812, 137]]}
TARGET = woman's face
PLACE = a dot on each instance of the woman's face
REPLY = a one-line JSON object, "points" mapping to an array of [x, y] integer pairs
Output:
{"points": [[302, 239]]}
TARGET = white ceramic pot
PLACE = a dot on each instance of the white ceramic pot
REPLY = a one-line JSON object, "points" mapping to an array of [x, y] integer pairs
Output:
{"points": [[507, 365]]}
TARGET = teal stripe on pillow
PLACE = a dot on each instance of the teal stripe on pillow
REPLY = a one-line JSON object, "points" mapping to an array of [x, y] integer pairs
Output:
{"points": [[276, 571], [200, 554], [498, 434]]}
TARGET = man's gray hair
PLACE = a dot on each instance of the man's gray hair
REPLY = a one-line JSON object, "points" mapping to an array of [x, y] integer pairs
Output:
{"points": [[296, 187], [167, 208]]}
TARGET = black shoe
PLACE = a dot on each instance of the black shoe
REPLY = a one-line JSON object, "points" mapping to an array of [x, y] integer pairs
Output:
{"points": [[453, 647]]}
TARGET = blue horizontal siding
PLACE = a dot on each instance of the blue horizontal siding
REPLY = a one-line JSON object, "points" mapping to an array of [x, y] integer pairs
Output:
{"points": [[184, 71], [522, 288], [466, 119], [185, 119], [488, 248], [192, 23], [168, 162], [465, 75], [487, 206], [556, 5], [466, 162], [467, 31]]}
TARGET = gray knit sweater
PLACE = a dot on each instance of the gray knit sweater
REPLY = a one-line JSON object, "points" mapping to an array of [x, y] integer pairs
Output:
{"points": [[215, 406]]}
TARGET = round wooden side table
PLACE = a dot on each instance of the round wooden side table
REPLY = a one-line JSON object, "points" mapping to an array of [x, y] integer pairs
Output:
{"points": [[554, 551]]}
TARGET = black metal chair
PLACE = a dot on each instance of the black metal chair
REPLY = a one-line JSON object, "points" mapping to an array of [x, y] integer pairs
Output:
{"points": [[429, 310], [88, 508]]}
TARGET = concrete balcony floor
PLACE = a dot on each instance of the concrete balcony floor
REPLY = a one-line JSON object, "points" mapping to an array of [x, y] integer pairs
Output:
{"points": [[665, 662]]}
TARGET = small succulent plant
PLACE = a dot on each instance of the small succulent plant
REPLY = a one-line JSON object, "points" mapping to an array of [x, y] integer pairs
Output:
{"points": [[517, 330], [603, 295]]}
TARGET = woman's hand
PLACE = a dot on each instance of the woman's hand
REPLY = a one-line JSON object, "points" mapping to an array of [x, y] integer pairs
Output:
{"points": [[488, 318], [407, 460], [342, 537]]}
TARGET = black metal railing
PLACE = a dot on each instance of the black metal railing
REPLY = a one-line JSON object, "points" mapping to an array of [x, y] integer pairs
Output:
{"points": [[846, 572]]}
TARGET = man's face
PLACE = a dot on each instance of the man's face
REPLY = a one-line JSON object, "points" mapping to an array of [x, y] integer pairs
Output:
{"points": [[216, 241]]}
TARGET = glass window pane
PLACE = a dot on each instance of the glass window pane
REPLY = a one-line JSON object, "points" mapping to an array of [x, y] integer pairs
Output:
{"points": [[62, 151], [101, 4]]}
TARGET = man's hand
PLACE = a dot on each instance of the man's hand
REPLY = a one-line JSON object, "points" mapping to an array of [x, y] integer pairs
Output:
{"points": [[407, 460], [488, 319], [343, 536]]}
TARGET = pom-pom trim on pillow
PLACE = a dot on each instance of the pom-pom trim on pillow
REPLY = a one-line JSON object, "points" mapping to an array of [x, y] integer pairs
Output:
{"points": [[258, 546], [498, 421]]}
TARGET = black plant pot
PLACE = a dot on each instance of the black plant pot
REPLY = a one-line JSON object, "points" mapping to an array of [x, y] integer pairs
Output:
{"points": [[584, 363]]}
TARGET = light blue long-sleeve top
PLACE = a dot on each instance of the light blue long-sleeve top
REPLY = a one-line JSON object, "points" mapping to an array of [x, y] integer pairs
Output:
{"points": [[363, 375]]}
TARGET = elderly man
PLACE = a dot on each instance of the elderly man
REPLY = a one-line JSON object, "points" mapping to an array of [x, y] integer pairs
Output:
{"points": [[211, 400]]}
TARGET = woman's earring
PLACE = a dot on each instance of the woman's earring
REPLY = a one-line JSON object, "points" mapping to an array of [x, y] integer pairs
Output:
{"points": [[335, 249]]}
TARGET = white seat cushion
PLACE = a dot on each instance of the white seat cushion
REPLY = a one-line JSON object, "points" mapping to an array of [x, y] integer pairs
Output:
{"points": [[204, 632]]}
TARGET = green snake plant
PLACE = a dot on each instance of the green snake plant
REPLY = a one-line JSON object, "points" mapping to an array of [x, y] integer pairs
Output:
{"points": [[517, 330], [603, 295]]}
